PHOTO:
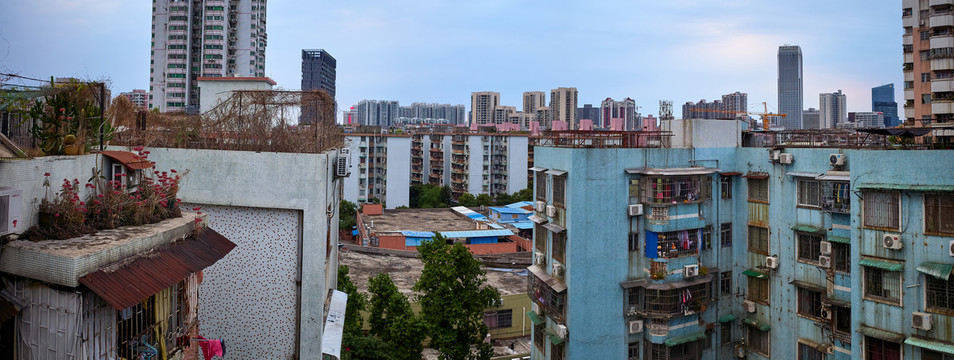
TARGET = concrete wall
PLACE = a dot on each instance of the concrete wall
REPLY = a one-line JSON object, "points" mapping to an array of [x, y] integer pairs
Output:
{"points": [[398, 172], [27, 176], [475, 166], [704, 133], [212, 92], [517, 154]]}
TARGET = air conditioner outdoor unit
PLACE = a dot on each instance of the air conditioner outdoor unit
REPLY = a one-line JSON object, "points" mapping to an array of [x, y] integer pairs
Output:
{"points": [[824, 247], [891, 241], [635, 326], [561, 331], [786, 158], [635, 209], [343, 163], [541, 206], [558, 269], [773, 154], [539, 257], [771, 262], [749, 306], [824, 261], [536, 308], [10, 202], [739, 351], [836, 159], [950, 248], [826, 311], [551, 210], [690, 270], [922, 321]]}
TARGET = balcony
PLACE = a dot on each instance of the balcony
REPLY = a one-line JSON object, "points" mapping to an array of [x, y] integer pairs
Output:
{"points": [[940, 42], [942, 107], [942, 20], [941, 64], [933, 3], [907, 40], [945, 85], [909, 113], [664, 300], [909, 94]]}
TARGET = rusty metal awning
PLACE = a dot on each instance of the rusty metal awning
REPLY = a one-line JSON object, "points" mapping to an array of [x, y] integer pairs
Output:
{"points": [[673, 171], [133, 281], [129, 159], [540, 273], [756, 175]]}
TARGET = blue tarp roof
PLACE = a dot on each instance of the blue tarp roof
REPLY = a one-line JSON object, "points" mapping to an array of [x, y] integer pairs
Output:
{"points": [[476, 233], [523, 225], [418, 234], [509, 210], [474, 215], [494, 226]]}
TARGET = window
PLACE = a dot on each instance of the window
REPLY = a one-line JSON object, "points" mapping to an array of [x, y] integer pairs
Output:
{"points": [[939, 214], [726, 187], [758, 240], [559, 246], [809, 303], [559, 190], [841, 257], [499, 319], [809, 247], [940, 294], [925, 55], [726, 233], [633, 191], [842, 322], [882, 285], [758, 290], [758, 190], [809, 193], [673, 244], [835, 197], [634, 241], [557, 352], [632, 298], [633, 353], [925, 77], [553, 303], [925, 35], [726, 333], [539, 336], [675, 189], [688, 351], [882, 209], [906, 12], [541, 184], [707, 238], [934, 355], [670, 301], [758, 341], [806, 352], [725, 283], [877, 349], [540, 237]]}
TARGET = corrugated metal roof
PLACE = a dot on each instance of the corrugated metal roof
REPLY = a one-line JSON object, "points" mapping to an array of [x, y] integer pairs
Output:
{"points": [[537, 219], [726, 318], [839, 239], [557, 285], [808, 229], [673, 171], [830, 177], [756, 175], [880, 264], [129, 284], [930, 344], [509, 210], [808, 285], [476, 233], [129, 159], [418, 234], [938, 270], [909, 187], [755, 274], [802, 174], [520, 204], [682, 339], [758, 324], [554, 227], [556, 172], [537, 169], [534, 318], [523, 225], [880, 334]]}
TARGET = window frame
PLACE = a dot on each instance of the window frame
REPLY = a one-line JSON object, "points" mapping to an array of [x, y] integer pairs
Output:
{"points": [[541, 186], [809, 242], [725, 187], [725, 283], [841, 257], [559, 190], [764, 344], [755, 188], [867, 282], [936, 291], [808, 352], [758, 290], [869, 206], [933, 207], [559, 247], [758, 242], [808, 303], [872, 341], [500, 319], [725, 232], [808, 193]]}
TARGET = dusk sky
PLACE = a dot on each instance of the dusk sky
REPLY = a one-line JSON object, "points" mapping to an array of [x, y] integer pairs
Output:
{"points": [[440, 51]]}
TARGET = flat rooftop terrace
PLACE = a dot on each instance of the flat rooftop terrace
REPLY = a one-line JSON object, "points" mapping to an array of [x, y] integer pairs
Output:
{"points": [[419, 220]]}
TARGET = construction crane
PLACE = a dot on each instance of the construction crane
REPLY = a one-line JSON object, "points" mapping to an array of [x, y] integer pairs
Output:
{"points": [[765, 116]]}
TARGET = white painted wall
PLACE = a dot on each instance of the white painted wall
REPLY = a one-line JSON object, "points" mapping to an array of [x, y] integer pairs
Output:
{"points": [[212, 92], [517, 157], [351, 188], [704, 133], [475, 166], [398, 176]]}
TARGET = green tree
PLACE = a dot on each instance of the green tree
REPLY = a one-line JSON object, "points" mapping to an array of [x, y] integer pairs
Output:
{"points": [[467, 200], [359, 347], [357, 302], [484, 200], [414, 195], [393, 321], [347, 215], [503, 199], [445, 195], [453, 297], [523, 195]]}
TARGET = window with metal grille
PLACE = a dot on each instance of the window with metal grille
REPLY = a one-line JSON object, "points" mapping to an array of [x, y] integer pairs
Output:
{"points": [[559, 191], [707, 237], [934, 355], [725, 283], [841, 257], [842, 322], [835, 197], [658, 214], [725, 333], [940, 294], [677, 301], [559, 246], [877, 349], [673, 190], [882, 285], [726, 233], [758, 239], [634, 241], [633, 353], [557, 352], [656, 351], [758, 190], [136, 326], [806, 352], [540, 337], [809, 247], [809, 193], [540, 238], [632, 298], [553, 303], [939, 214], [633, 191], [882, 209], [758, 290], [758, 341], [541, 184], [809, 303], [673, 244], [499, 319], [725, 184]]}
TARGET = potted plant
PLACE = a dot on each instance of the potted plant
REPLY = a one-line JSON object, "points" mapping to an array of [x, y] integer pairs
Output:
{"points": [[69, 145]]}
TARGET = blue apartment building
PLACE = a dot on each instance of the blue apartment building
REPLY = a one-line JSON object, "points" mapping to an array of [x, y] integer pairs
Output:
{"points": [[706, 242]]}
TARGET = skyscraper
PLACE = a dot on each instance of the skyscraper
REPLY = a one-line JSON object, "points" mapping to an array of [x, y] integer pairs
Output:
{"points": [[533, 100], [623, 109], [482, 105], [790, 100], [318, 71], [832, 109], [563, 107], [882, 100], [590, 112], [202, 38]]}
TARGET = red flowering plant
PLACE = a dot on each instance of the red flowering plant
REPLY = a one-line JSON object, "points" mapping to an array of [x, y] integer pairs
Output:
{"points": [[63, 216]]}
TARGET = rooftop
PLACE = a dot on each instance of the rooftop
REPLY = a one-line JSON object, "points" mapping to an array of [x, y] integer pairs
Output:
{"points": [[398, 220]]}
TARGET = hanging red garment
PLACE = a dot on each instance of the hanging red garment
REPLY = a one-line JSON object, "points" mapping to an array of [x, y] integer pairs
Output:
{"points": [[210, 348]]}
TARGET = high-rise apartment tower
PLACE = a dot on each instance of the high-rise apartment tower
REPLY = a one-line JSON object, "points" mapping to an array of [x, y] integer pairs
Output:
{"points": [[832, 109], [202, 38], [563, 107], [482, 105], [790, 93]]}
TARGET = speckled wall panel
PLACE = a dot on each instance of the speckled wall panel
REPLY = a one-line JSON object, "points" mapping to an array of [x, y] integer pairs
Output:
{"points": [[249, 298]]}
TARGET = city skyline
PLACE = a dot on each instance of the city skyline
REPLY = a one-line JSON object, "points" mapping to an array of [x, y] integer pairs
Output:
{"points": [[680, 51]]}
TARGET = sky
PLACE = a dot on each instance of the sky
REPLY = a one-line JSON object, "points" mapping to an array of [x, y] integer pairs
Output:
{"points": [[439, 51]]}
